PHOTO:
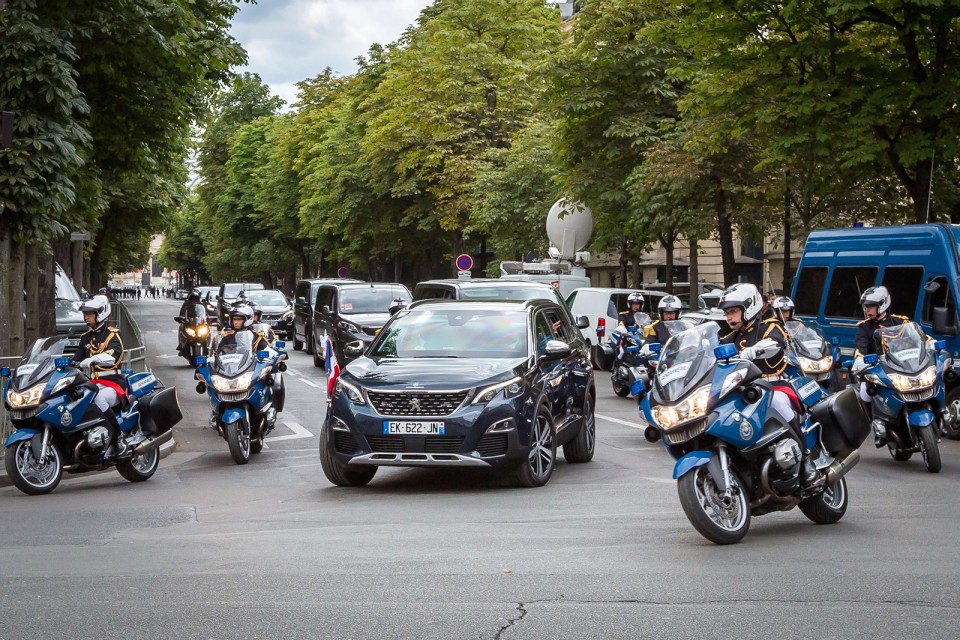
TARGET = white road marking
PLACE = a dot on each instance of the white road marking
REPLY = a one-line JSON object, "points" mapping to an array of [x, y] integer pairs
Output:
{"points": [[312, 384], [166, 355], [626, 423], [299, 431]]}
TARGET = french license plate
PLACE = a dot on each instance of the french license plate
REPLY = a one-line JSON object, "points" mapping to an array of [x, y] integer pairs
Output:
{"points": [[413, 428]]}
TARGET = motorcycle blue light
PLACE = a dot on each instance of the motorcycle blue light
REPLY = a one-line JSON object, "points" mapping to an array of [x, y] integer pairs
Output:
{"points": [[939, 345], [5, 372], [871, 358], [60, 363], [201, 361], [656, 347], [835, 341], [725, 351], [281, 344], [263, 355]]}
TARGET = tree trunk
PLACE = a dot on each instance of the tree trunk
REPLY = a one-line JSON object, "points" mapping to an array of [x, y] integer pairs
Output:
{"points": [[457, 249], [624, 259], [96, 272], [7, 310], [669, 247], [15, 268], [637, 273], [694, 273], [32, 285], [787, 266], [922, 209], [725, 234], [47, 291], [483, 257], [61, 255]]}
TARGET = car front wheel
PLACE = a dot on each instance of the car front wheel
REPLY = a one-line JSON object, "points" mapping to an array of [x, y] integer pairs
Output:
{"points": [[536, 469]]}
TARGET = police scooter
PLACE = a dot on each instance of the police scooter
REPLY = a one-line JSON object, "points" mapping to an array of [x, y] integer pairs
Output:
{"points": [[246, 391]]}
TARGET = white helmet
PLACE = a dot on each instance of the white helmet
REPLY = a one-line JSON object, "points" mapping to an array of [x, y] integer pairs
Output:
{"points": [[669, 303], [635, 297], [743, 295], [783, 303], [878, 296], [99, 305], [241, 311]]}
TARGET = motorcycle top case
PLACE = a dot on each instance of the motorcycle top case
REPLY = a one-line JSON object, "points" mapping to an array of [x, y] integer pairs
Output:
{"points": [[845, 425], [160, 411]]}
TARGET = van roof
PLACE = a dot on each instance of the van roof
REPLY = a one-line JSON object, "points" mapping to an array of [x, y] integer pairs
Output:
{"points": [[828, 243]]}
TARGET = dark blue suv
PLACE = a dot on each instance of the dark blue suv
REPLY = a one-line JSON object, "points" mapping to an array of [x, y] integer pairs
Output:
{"points": [[498, 385]]}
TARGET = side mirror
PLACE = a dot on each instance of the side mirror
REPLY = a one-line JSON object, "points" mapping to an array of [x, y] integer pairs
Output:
{"points": [[943, 324], [179, 318], [583, 322], [557, 349], [325, 310], [353, 349], [301, 300]]}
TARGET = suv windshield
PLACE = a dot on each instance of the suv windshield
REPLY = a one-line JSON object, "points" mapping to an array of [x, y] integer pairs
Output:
{"points": [[519, 294], [370, 299], [64, 288], [233, 290], [267, 298], [454, 333]]}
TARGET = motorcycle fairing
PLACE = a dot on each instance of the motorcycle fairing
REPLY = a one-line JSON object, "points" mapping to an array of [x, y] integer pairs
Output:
{"points": [[689, 462], [921, 418]]}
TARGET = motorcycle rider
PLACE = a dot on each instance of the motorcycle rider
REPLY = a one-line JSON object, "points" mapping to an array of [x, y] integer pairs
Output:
{"points": [[783, 309], [398, 305], [241, 319], [187, 310], [260, 325], [875, 302], [634, 304], [669, 309], [100, 350], [755, 337]]}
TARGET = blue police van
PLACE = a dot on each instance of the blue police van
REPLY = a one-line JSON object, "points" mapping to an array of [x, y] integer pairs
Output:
{"points": [[918, 264]]}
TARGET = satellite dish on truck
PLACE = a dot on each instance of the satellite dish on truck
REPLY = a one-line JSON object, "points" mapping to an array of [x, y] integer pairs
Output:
{"points": [[569, 227]]}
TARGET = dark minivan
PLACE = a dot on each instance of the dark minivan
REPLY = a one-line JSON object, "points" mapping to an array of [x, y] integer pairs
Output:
{"points": [[305, 297], [351, 313]]}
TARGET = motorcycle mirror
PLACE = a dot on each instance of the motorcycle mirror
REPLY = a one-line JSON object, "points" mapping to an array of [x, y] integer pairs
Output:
{"points": [[178, 318], [201, 361], [871, 358], [201, 387]]}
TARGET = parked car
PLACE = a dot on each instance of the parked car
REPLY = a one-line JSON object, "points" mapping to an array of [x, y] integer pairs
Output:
{"points": [[229, 292], [494, 385], [67, 308], [275, 310], [305, 297], [181, 294], [351, 313]]}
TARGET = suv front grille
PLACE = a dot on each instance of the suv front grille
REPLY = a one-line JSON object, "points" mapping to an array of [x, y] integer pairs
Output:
{"points": [[492, 444], [416, 403], [917, 396], [686, 432], [386, 444], [443, 445]]}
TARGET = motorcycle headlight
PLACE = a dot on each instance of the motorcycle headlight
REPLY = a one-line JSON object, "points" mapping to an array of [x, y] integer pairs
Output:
{"points": [[815, 366], [511, 389], [923, 379], [203, 330], [353, 394], [240, 383], [28, 398], [190, 332], [692, 407]]}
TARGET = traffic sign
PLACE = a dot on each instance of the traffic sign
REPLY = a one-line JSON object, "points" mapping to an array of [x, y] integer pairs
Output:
{"points": [[463, 275], [464, 262], [342, 272]]}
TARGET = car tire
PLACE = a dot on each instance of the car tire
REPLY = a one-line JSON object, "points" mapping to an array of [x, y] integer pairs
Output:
{"points": [[538, 466], [308, 339], [317, 359], [297, 345], [337, 472], [581, 448]]}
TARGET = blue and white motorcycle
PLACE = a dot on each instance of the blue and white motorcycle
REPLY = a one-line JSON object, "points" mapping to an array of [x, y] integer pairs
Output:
{"points": [[736, 457], [810, 353], [905, 382], [59, 428], [246, 391]]}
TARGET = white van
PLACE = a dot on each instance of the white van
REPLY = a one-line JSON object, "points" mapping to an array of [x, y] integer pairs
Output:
{"points": [[565, 283]]}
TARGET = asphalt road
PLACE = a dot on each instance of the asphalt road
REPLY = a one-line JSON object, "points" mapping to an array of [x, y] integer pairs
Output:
{"points": [[207, 549]]}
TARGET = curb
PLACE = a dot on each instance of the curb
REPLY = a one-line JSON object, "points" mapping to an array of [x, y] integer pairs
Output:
{"points": [[165, 450]]}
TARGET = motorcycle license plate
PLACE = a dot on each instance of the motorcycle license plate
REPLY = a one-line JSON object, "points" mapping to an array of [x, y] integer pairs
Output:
{"points": [[413, 428]]}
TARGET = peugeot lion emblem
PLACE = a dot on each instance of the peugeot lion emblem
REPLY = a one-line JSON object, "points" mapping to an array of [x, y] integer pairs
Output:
{"points": [[415, 405]]}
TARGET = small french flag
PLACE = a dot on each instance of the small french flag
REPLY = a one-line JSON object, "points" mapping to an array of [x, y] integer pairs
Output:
{"points": [[332, 367]]}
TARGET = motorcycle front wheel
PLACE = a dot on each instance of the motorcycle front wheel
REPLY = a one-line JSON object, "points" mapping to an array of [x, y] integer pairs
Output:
{"points": [[720, 519], [929, 447], [28, 474], [238, 438]]}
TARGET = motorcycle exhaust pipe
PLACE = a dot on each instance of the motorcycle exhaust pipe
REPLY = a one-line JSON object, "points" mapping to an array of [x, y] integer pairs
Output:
{"points": [[153, 442], [839, 468]]}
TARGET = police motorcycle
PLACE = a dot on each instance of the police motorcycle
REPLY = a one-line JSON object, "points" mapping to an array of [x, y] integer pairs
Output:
{"points": [[59, 428], [905, 382], [246, 390], [735, 455], [810, 354], [623, 350], [195, 334]]}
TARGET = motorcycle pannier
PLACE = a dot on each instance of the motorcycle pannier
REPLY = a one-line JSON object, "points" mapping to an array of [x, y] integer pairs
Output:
{"points": [[845, 425], [159, 411]]}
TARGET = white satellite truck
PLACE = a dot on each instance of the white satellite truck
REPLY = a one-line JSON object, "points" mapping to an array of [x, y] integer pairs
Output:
{"points": [[569, 227]]}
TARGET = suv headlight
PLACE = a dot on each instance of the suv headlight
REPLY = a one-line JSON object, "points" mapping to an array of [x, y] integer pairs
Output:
{"points": [[348, 326], [240, 383], [815, 366], [28, 398], [923, 379], [511, 389], [691, 407], [353, 393], [287, 315]]}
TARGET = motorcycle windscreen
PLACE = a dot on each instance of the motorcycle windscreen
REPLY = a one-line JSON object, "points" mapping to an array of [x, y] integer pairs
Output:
{"points": [[686, 360], [642, 319], [807, 341], [196, 312], [39, 360], [904, 347], [674, 327], [234, 354]]}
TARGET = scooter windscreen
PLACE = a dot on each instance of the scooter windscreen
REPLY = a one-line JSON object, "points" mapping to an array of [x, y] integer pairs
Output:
{"points": [[904, 347], [39, 361], [685, 360], [234, 354], [807, 340]]}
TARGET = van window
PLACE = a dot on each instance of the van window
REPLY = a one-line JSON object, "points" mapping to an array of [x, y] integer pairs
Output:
{"points": [[618, 303], [942, 297], [903, 283], [810, 290], [324, 299], [303, 291], [846, 285], [434, 293]]}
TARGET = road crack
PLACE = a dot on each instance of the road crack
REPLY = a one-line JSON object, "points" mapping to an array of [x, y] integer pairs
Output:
{"points": [[522, 611]]}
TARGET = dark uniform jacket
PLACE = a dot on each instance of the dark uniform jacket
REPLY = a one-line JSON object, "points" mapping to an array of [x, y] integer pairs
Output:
{"points": [[864, 343], [626, 317], [753, 333], [103, 339], [656, 333]]}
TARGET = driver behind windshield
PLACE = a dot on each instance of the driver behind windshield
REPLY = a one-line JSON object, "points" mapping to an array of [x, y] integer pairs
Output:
{"points": [[753, 336]]}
